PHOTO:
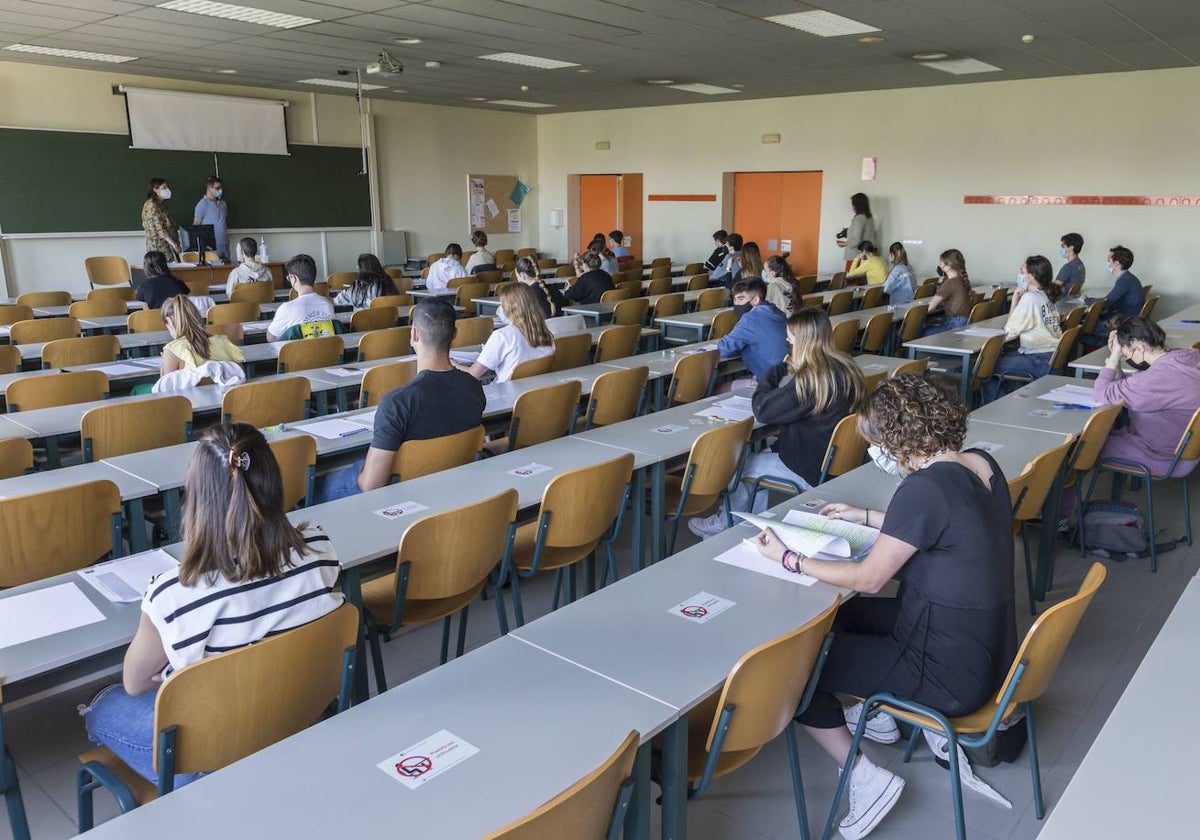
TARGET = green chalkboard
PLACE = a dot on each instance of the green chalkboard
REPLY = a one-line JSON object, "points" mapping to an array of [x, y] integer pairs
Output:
{"points": [[66, 182]]}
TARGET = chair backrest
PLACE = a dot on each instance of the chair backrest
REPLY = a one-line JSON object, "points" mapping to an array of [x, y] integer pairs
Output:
{"points": [[268, 402], [1029, 489], [980, 312], [233, 332], [871, 381], [375, 318], [696, 282], [841, 303], [432, 258], [692, 378], [767, 684], [43, 329], [1062, 353], [631, 311], [544, 414], [297, 458], [471, 331], [710, 299], [466, 294], [57, 531], [383, 378], [998, 299], [503, 255], [837, 280], [403, 283], [1074, 318], [669, 304], [660, 262], [10, 359], [55, 298], [985, 362], [542, 264], [811, 301], [34, 392], [416, 458], [876, 332], [1092, 319], [97, 308], [571, 351], [106, 271], [1149, 304], [846, 448], [871, 298], [584, 502], [692, 268], [659, 286], [917, 366], [807, 283], [1091, 439], [16, 457], [913, 323], [233, 313], [237, 694], [925, 290], [565, 271], [14, 313], [397, 301], [92, 349], [616, 396], [631, 285], [145, 320], [340, 279], [615, 295], [384, 344], [715, 457], [1189, 443], [311, 353], [722, 324], [844, 334], [111, 430], [194, 256], [533, 367], [198, 287], [617, 342], [257, 293]]}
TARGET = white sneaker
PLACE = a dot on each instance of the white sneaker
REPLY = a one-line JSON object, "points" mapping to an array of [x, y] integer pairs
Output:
{"points": [[708, 526], [881, 729], [873, 792]]}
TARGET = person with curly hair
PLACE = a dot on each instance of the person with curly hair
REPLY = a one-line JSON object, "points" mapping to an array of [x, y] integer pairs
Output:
{"points": [[947, 639]]}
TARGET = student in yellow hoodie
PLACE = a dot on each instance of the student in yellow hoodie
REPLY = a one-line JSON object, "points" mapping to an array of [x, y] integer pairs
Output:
{"points": [[868, 266]]}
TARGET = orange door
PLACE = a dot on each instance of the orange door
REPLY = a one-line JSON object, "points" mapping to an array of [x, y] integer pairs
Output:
{"points": [[756, 202], [597, 206], [630, 221], [800, 219], [776, 209]]}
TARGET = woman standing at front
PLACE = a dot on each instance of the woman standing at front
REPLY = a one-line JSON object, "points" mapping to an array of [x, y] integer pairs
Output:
{"points": [[162, 234], [947, 639], [862, 227]]}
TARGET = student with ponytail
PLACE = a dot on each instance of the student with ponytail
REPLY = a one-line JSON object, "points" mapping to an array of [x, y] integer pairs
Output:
{"points": [[783, 289]]}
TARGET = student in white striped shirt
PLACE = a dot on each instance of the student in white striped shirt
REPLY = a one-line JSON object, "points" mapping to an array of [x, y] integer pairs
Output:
{"points": [[246, 573]]}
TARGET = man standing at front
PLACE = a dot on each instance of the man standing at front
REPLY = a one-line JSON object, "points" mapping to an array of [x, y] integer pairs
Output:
{"points": [[211, 209]]}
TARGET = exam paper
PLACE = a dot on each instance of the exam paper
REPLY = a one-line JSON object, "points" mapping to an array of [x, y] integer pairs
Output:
{"points": [[1072, 395], [44, 612], [121, 369], [344, 371], [982, 332], [126, 579], [331, 429], [745, 555], [734, 408]]}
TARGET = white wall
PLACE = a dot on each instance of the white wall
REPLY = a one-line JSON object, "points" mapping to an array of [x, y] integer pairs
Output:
{"points": [[1128, 133]]}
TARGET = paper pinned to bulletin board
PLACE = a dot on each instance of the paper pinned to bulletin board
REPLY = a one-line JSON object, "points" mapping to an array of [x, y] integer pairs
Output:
{"points": [[494, 202]]}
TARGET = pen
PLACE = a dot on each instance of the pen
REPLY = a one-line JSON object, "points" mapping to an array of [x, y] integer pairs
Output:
{"points": [[1189, 321], [1073, 406]]}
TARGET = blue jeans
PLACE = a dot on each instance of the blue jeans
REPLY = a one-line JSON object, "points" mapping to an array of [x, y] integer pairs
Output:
{"points": [[338, 484], [1036, 365], [757, 465], [125, 725], [956, 322]]}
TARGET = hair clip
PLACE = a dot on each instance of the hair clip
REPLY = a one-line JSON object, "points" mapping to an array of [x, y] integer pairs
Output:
{"points": [[239, 462]]}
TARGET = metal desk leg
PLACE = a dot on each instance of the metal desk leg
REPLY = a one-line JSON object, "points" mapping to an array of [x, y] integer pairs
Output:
{"points": [[658, 475], [172, 504], [674, 780], [343, 398], [658, 389], [352, 590], [136, 517], [11, 791], [1046, 536], [637, 546], [637, 819], [322, 403], [966, 379]]}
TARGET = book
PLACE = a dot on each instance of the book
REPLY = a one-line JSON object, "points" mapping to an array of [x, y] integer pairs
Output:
{"points": [[818, 536]]}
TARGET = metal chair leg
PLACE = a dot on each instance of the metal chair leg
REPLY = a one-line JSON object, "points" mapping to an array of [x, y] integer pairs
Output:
{"points": [[445, 640], [12, 799], [797, 781], [1029, 569], [1039, 806], [518, 610], [376, 657], [956, 796], [911, 745], [1153, 532], [462, 631]]}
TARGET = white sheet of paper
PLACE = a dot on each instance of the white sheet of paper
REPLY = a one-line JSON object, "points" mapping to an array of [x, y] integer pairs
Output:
{"points": [[1180, 325], [701, 607], [44, 612], [464, 357], [345, 371], [427, 759], [529, 469], [402, 509], [331, 429], [745, 556], [121, 369], [367, 418], [985, 445], [734, 409], [126, 579], [982, 332], [256, 327], [1043, 412], [492, 209], [153, 364], [692, 350]]}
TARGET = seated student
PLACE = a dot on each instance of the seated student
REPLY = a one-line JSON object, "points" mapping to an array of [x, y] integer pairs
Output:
{"points": [[868, 267], [482, 259], [249, 270], [310, 314], [719, 251], [372, 282], [731, 266], [448, 268], [1125, 298], [440, 400], [760, 334], [1073, 270], [160, 283], [246, 573], [901, 282], [525, 336], [549, 298], [783, 289], [947, 638], [590, 281], [804, 396], [608, 261], [192, 349], [953, 295], [751, 264], [616, 240], [1033, 321]]}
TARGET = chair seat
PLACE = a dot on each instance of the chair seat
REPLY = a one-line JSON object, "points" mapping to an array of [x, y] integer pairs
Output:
{"points": [[972, 724], [695, 503], [143, 790], [379, 599], [552, 557], [1130, 469], [699, 724]]}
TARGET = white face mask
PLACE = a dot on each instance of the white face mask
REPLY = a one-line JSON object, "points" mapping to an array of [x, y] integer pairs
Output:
{"points": [[885, 460], [1022, 283], [1062, 252], [1110, 268], [164, 193]]}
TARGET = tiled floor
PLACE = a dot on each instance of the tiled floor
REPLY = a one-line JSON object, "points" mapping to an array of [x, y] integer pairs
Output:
{"points": [[756, 802]]}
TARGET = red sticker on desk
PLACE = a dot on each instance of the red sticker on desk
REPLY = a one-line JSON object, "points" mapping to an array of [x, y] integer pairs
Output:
{"points": [[701, 607], [427, 759]]}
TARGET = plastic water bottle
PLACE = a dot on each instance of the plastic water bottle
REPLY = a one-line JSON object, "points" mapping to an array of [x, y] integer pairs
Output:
{"points": [[262, 249]]}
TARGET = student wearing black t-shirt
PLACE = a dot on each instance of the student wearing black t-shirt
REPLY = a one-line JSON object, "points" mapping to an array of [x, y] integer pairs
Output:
{"points": [[591, 282], [440, 400], [949, 637], [160, 284], [549, 298]]}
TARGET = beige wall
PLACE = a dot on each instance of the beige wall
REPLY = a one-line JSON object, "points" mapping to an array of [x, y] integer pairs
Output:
{"points": [[1129, 133]]}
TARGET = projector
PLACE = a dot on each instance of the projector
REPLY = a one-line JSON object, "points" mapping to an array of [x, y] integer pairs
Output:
{"points": [[385, 66]]}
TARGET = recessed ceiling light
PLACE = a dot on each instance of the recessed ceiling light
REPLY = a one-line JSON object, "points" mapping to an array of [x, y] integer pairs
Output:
{"points": [[529, 60], [824, 24], [475, 98], [398, 90], [869, 39], [406, 40], [585, 70], [518, 103], [737, 85], [433, 64], [77, 54], [524, 88], [226, 72], [660, 81], [707, 90], [245, 14], [930, 56], [338, 83], [962, 66]]}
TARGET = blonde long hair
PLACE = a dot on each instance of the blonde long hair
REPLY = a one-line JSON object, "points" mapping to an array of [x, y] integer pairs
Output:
{"points": [[822, 372], [522, 310], [189, 326]]}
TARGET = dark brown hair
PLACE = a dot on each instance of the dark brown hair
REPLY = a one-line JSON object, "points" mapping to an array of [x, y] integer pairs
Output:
{"points": [[913, 418], [152, 193], [783, 271], [898, 253]]}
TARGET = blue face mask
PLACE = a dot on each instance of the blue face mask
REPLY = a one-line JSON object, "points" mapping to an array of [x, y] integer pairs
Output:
{"points": [[218, 193], [1062, 252]]}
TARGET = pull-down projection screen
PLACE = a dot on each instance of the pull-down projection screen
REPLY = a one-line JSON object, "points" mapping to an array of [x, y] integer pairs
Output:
{"points": [[199, 122]]}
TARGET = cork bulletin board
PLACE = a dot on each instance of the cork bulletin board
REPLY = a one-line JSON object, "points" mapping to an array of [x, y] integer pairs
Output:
{"points": [[490, 204]]}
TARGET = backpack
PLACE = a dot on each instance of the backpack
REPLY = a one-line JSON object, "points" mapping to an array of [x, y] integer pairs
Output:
{"points": [[1118, 530]]}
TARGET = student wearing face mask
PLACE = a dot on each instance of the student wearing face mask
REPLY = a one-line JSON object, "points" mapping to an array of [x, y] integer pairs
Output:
{"points": [[1125, 298], [760, 334], [1033, 322], [953, 296], [1073, 270], [162, 234], [211, 209]]}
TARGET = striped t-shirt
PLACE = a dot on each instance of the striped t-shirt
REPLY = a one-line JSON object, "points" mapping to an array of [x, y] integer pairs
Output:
{"points": [[203, 619]]}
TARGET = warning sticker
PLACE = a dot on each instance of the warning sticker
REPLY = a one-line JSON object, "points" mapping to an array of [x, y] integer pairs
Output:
{"points": [[701, 607], [427, 759]]}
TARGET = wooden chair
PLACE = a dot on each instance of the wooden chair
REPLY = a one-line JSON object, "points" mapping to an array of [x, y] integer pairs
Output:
{"points": [[416, 458], [41, 330], [1083, 457], [710, 299], [503, 255], [256, 293], [631, 311], [543, 264], [381, 379], [871, 381], [471, 331], [807, 282], [297, 459], [311, 353], [1028, 492], [403, 283], [1062, 353], [616, 396], [442, 564], [914, 366], [1030, 675], [123, 292], [764, 691], [614, 295], [660, 262], [697, 282], [845, 333], [980, 312], [533, 367], [269, 402], [722, 325], [668, 305], [432, 258], [872, 297], [985, 364], [404, 299], [29, 393], [93, 349], [236, 695], [837, 281], [924, 291], [145, 320], [1076, 290], [58, 531], [375, 318], [233, 332], [1148, 305], [565, 271], [845, 452], [10, 359], [875, 334], [97, 308], [540, 415], [1091, 321], [14, 314], [617, 343], [339, 280], [693, 377], [692, 268], [466, 294], [580, 509], [385, 344], [841, 303], [107, 271], [54, 298], [659, 286], [136, 426], [812, 301], [1074, 318], [571, 351], [233, 313], [712, 467], [16, 457], [634, 287], [199, 288], [998, 300], [911, 326], [659, 271], [194, 256]]}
